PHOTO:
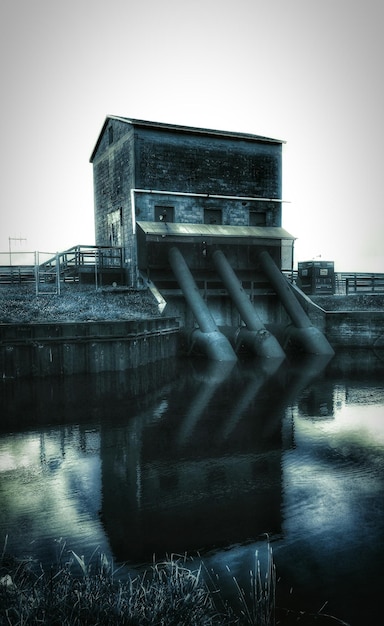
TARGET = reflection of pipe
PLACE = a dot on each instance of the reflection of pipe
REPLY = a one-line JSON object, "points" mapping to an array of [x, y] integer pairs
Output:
{"points": [[209, 382], [209, 338], [255, 336], [304, 334], [257, 379], [301, 373]]}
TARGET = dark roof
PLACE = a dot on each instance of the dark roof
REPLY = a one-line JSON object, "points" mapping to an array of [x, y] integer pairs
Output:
{"points": [[213, 230], [191, 130]]}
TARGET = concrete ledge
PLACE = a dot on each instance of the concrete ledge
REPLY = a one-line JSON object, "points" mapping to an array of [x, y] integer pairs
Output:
{"points": [[82, 347], [362, 329], [346, 329]]}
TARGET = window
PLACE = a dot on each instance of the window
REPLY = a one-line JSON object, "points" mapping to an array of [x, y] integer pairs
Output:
{"points": [[164, 213], [257, 218], [114, 221], [213, 216]]}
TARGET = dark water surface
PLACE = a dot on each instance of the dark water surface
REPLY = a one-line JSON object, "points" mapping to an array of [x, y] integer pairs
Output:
{"points": [[199, 457]]}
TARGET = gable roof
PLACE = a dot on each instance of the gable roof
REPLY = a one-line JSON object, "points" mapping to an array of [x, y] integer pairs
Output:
{"points": [[191, 130]]}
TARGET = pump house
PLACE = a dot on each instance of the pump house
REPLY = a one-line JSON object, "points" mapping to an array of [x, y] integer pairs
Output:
{"points": [[198, 215]]}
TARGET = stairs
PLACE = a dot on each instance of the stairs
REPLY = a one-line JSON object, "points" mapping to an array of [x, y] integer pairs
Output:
{"points": [[90, 264]]}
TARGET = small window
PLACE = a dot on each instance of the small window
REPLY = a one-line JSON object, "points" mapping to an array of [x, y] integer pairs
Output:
{"points": [[257, 218], [110, 134], [213, 216], [164, 213], [114, 221]]}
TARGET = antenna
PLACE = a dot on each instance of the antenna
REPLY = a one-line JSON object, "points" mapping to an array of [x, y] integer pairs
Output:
{"points": [[19, 239]]}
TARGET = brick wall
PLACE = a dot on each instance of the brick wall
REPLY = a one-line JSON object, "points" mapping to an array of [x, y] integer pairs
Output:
{"points": [[197, 164], [207, 164], [129, 157], [113, 180]]}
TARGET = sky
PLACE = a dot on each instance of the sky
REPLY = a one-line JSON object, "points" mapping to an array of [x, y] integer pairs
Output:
{"points": [[303, 71]]}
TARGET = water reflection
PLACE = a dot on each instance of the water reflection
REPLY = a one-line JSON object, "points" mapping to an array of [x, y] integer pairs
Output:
{"points": [[50, 488], [198, 475], [189, 455]]}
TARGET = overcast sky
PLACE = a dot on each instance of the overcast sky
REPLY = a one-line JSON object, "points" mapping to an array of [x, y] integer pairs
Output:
{"points": [[304, 71]]}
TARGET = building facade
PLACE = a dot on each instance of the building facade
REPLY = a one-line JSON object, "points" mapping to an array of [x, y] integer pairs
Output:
{"points": [[147, 172]]}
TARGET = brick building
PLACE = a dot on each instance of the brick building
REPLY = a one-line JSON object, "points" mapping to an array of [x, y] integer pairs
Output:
{"points": [[147, 172]]}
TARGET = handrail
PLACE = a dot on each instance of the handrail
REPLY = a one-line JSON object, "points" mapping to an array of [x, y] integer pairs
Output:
{"points": [[66, 263], [85, 255], [104, 257], [348, 283], [364, 283]]}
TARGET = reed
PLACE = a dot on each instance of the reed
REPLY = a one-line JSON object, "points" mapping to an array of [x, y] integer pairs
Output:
{"points": [[173, 592], [79, 593]]}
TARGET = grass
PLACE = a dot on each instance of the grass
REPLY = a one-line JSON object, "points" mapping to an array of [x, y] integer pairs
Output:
{"points": [[77, 303], [170, 593], [173, 592]]}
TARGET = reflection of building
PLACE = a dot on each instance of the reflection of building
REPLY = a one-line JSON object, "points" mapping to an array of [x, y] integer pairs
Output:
{"points": [[187, 479], [317, 401], [50, 489]]}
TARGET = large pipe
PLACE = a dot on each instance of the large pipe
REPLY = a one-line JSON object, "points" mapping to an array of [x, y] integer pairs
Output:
{"points": [[254, 336], [304, 333], [210, 339], [297, 314]]}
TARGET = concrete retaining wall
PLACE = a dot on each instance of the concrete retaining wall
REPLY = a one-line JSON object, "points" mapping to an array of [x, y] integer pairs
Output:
{"points": [[355, 329], [346, 329], [74, 348], [91, 347]]}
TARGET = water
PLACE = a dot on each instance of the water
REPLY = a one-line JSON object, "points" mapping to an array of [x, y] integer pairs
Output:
{"points": [[205, 458]]}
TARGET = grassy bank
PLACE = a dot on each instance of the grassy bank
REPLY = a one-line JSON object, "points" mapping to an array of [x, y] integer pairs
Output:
{"points": [[176, 592], [353, 302], [76, 303], [170, 593], [79, 303]]}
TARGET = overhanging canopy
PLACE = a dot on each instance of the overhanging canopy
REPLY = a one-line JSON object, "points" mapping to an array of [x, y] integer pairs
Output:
{"points": [[178, 230]]}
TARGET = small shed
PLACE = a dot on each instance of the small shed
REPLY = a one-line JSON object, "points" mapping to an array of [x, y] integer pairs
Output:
{"points": [[316, 277]]}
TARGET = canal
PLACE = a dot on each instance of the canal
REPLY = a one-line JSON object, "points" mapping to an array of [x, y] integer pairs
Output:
{"points": [[208, 459]]}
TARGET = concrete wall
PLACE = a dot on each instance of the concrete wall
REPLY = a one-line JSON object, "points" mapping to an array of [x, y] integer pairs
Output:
{"points": [[74, 348], [347, 329], [355, 329], [90, 347], [113, 178], [225, 313]]}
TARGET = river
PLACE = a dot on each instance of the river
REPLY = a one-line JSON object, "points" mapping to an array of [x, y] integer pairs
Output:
{"points": [[209, 459]]}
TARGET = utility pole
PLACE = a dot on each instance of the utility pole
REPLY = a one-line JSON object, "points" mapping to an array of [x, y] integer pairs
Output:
{"points": [[20, 239]]}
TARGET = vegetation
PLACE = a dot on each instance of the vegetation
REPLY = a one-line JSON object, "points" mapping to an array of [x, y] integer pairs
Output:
{"points": [[77, 303], [170, 593]]}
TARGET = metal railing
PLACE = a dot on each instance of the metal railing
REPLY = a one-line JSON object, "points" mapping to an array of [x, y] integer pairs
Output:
{"points": [[48, 270], [348, 283], [363, 283]]}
